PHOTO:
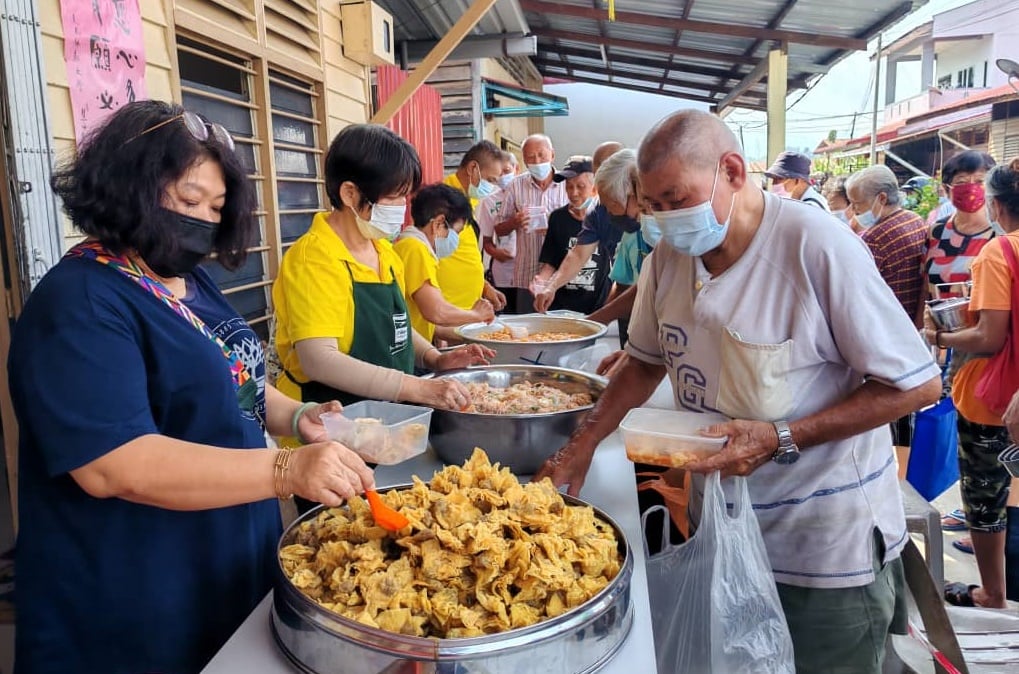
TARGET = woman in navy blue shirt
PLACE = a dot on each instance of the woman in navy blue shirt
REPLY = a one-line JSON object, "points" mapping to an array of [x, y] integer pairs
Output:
{"points": [[147, 496]]}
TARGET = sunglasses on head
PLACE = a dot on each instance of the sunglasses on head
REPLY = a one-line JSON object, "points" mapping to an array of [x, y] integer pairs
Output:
{"points": [[199, 129]]}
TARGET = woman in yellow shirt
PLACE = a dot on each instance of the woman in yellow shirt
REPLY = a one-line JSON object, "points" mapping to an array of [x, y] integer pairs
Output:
{"points": [[439, 213], [342, 329]]}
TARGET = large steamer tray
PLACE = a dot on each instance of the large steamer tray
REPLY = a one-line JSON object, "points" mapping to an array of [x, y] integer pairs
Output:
{"points": [[580, 641], [535, 353]]}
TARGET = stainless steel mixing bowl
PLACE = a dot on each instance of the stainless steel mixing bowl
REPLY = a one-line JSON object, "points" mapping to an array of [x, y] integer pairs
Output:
{"points": [[579, 641], [520, 441], [534, 353]]}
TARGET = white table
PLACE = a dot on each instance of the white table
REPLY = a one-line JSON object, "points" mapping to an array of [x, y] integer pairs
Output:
{"points": [[609, 486]]}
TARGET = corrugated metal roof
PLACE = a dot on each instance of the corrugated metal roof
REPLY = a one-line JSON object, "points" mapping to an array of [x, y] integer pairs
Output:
{"points": [[713, 47], [697, 49]]}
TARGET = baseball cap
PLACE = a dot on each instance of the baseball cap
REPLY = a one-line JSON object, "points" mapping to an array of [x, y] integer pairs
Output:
{"points": [[790, 165], [574, 167]]}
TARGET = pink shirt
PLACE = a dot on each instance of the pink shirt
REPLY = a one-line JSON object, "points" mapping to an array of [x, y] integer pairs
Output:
{"points": [[520, 194]]}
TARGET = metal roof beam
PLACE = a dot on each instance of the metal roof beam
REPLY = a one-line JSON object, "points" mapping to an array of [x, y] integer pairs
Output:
{"points": [[773, 22], [755, 76], [644, 46], [709, 27], [633, 87], [662, 64], [639, 77], [900, 10]]}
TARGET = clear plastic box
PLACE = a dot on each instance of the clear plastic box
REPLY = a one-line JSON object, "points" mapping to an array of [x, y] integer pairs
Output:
{"points": [[381, 432], [586, 359], [668, 437]]}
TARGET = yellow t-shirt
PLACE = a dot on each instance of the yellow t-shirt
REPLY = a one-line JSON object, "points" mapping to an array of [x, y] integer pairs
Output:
{"points": [[419, 267], [462, 274], [992, 289], [313, 296]]}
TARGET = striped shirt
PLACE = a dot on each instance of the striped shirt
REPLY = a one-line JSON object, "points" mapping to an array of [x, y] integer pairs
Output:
{"points": [[899, 245], [520, 194]]}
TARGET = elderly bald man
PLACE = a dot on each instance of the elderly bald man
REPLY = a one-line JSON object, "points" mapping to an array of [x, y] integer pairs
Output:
{"points": [[897, 237], [751, 305], [527, 201], [600, 232]]}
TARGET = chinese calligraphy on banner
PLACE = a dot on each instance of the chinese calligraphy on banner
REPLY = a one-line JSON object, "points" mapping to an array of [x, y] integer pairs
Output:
{"points": [[104, 53]]}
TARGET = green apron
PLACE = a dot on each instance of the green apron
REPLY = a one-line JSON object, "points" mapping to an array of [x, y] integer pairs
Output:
{"points": [[382, 336]]}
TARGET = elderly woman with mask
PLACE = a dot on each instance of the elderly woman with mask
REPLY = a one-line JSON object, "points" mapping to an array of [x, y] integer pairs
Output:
{"points": [[342, 324], [149, 517]]}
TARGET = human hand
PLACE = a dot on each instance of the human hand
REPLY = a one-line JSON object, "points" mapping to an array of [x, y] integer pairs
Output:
{"points": [[442, 393], [1011, 418], [501, 255], [310, 426], [520, 219], [751, 445], [327, 472], [928, 320], [464, 356], [483, 311], [493, 295], [611, 363], [569, 466]]}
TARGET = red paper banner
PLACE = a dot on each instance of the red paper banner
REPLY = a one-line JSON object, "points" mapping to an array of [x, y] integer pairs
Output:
{"points": [[104, 52]]}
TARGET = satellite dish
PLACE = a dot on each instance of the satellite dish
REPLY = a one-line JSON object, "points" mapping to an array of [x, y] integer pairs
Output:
{"points": [[1010, 68]]}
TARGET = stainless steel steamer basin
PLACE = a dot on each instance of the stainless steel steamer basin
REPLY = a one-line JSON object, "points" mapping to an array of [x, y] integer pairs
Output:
{"points": [[534, 353], [580, 641], [521, 442]]}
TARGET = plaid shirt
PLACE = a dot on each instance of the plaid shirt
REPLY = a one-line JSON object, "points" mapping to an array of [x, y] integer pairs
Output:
{"points": [[520, 194], [899, 245]]}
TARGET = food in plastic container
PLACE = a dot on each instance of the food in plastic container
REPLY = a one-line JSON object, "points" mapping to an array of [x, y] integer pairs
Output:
{"points": [[381, 432], [668, 437]]}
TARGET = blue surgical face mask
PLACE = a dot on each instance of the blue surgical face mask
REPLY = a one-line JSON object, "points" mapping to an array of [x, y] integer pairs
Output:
{"points": [[841, 216], [695, 230], [540, 171], [446, 247], [998, 229], [867, 219], [649, 230], [582, 208], [481, 190], [505, 179]]}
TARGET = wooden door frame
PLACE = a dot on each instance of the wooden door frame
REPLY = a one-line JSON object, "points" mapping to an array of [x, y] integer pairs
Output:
{"points": [[10, 307]]}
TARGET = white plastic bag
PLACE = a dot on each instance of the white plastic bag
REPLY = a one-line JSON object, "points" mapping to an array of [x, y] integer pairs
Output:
{"points": [[714, 605]]}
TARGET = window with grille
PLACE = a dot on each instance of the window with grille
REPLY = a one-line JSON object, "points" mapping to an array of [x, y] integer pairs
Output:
{"points": [[298, 159], [219, 86]]}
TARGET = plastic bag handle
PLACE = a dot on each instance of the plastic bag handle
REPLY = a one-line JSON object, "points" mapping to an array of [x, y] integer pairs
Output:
{"points": [[666, 515]]}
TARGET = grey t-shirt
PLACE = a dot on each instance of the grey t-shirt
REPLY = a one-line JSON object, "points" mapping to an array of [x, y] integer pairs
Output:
{"points": [[797, 324]]}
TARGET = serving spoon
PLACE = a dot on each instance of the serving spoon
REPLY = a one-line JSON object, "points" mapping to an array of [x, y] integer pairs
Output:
{"points": [[384, 516]]}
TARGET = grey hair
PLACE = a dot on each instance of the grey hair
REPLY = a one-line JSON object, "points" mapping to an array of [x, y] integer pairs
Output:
{"points": [[875, 180], [617, 175], [509, 157], [537, 138]]}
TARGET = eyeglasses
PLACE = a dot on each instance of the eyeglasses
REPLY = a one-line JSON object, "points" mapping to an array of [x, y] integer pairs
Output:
{"points": [[199, 129]]}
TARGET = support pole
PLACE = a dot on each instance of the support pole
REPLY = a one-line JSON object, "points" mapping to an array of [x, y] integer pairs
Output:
{"points": [[778, 75], [439, 53], [873, 118]]}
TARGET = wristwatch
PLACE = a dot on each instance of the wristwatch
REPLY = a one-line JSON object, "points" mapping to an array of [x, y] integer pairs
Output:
{"points": [[787, 452]]}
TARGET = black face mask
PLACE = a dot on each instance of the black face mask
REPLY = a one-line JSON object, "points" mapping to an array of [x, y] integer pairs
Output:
{"points": [[625, 223], [195, 241]]}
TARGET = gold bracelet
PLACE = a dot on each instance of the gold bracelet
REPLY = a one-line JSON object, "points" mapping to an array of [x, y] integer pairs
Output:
{"points": [[282, 466]]}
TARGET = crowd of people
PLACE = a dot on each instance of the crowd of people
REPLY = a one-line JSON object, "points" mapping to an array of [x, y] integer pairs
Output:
{"points": [[146, 440]]}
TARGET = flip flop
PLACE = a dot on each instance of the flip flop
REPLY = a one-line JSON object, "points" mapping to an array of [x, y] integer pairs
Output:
{"points": [[960, 594], [960, 521], [963, 547]]}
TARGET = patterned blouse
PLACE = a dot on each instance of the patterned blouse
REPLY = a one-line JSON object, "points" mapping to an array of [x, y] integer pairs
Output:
{"points": [[950, 254]]}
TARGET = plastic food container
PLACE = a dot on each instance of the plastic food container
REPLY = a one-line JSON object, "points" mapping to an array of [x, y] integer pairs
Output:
{"points": [[586, 359], [381, 432], [668, 437], [537, 219]]}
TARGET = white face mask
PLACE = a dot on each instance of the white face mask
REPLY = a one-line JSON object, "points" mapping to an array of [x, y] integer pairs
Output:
{"points": [[386, 221], [540, 171]]}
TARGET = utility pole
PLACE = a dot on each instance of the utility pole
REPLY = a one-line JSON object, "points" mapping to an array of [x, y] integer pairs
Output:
{"points": [[877, 87]]}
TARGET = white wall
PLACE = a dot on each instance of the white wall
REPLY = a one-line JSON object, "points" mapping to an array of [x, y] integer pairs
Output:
{"points": [[953, 57], [600, 113], [998, 20]]}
